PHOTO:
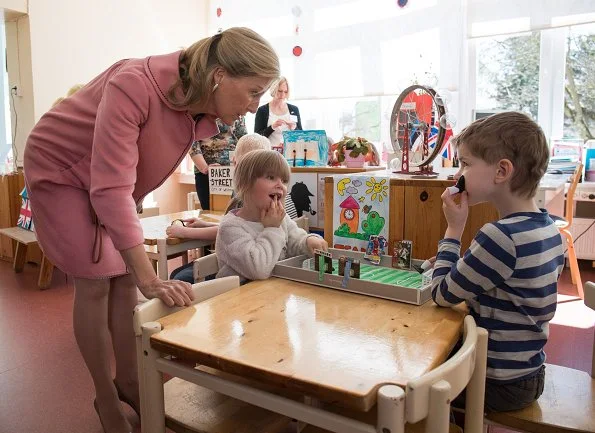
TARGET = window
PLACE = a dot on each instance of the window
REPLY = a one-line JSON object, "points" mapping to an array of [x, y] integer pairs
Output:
{"points": [[508, 73], [579, 86]]}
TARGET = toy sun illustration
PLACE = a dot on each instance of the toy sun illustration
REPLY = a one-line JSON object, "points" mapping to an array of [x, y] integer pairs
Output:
{"points": [[377, 189]]}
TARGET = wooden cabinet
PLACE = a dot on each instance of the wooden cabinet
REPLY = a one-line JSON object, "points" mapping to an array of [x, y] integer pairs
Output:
{"points": [[416, 213]]}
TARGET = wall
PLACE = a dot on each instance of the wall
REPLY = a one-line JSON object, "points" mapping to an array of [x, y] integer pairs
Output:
{"points": [[63, 42]]}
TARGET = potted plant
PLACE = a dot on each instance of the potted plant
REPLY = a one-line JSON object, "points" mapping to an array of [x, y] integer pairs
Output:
{"points": [[352, 151]]}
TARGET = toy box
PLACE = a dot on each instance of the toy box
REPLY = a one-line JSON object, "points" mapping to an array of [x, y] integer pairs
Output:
{"points": [[382, 280]]}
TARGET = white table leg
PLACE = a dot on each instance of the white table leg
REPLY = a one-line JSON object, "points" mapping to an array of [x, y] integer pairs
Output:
{"points": [[151, 387], [162, 262]]}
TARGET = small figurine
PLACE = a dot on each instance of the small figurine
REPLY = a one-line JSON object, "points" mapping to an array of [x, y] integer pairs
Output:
{"points": [[354, 269], [326, 259], [402, 254], [376, 249]]}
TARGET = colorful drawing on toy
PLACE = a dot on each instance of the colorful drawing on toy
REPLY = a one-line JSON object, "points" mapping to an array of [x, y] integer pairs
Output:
{"points": [[377, 189], [305, 148], [379, 274], [402, 254], [360, 210]]}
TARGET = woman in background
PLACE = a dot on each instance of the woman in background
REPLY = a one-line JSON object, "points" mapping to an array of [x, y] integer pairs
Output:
{"points": [[277, 116], [214, 151]]}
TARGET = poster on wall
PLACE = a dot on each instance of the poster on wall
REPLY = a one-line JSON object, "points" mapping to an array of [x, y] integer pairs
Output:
{"points": [[303, 190], [305, 148], [221, 179], [360, 210]]}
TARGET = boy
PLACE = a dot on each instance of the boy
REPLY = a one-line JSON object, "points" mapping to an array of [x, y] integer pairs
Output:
{"points": [[508, 276]]}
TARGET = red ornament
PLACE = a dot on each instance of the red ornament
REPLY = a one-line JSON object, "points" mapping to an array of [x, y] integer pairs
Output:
{"points": [[218, 12], [297, 51]]}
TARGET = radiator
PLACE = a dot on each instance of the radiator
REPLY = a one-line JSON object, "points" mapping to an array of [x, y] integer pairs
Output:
{"points": [[585, 245]]}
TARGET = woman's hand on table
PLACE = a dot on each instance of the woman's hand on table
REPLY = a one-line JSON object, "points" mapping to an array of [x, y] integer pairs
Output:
{"points": [[316, 243], [171, 292]]}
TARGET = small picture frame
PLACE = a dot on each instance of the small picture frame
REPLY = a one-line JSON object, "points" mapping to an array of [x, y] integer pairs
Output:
{"points": [[402, 254]]}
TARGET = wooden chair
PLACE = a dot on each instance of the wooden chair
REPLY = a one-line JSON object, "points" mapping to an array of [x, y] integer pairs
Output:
{"points": [[204, 267], [567, 403], [427, 398], [192, 408], [23, 239], [564, 225], [303, 222]]}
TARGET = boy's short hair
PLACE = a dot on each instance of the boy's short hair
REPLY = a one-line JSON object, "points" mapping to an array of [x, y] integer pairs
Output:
{"points": [[513, 136], [250, 142]]}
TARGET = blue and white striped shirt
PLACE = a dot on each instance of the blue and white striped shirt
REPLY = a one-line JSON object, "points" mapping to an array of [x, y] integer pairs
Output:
{"points": [[508, 278]]}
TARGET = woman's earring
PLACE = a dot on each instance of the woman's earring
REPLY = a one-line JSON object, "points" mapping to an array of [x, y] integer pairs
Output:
{"points": [[215, 86]]}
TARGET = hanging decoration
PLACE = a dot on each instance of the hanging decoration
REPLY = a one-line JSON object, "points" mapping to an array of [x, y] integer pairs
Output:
{"points": [[296, 11], [218, 12], [402, 3]]}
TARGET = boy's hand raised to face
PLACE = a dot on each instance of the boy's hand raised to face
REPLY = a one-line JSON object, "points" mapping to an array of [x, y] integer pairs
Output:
{"points": [[273, 216], [456, 214]]}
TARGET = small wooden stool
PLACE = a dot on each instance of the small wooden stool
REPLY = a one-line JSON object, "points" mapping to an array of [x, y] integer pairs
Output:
{"points": [[24, 238]]}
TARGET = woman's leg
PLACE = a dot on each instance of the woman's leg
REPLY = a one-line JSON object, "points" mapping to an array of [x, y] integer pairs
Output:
{"points": [[90, 320], [202, 190], [122, 300]]}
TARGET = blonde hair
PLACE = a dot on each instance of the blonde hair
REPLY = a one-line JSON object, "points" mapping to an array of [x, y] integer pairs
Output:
{"points": [[513, 136], [70, 92], [241, 52], [250, 142], [256, 164], [276, 84]]}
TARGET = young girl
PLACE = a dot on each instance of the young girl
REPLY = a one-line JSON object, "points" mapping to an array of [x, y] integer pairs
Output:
{"points": [[246, 144], [253, 238]]}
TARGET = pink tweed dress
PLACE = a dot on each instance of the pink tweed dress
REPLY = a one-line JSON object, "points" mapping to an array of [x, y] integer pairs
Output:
{"points": [[98, 153]]}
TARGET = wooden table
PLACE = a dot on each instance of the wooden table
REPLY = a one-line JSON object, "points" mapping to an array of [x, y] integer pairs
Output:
{"points": [[162, 246], [323, 343]]}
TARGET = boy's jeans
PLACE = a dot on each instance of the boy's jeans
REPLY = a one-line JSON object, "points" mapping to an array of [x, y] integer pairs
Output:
{"points": [[510, 396]]}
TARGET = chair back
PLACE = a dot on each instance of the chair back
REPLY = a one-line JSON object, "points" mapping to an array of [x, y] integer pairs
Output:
{"points": [[205, 266], [429, 396], [576, 176], [303, 222], [155, 309]]}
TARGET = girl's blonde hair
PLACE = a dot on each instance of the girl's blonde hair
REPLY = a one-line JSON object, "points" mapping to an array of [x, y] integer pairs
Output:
{"points": [[255, 164], [276, 85], [250, 142], [241, 52]]}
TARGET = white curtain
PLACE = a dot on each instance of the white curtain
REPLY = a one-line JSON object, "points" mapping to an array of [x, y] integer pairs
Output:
{"points": [[499, 17]]}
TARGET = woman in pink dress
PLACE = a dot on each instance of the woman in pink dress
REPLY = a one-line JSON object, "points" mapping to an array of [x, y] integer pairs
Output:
{"points": [[91, 160]]}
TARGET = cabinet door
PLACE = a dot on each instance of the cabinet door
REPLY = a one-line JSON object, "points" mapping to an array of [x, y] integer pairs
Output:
{"points": [[424, 220], [425, 223]]}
